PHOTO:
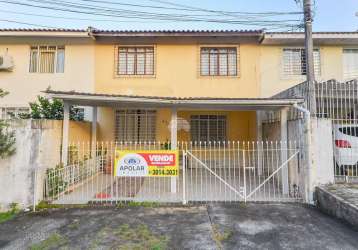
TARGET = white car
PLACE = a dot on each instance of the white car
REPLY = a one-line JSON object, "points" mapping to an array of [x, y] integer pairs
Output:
{"points": [[345, 144]]}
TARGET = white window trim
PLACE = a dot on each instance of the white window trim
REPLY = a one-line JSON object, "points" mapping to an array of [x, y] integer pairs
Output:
{"points": [[198, 131], [17, 110], [350, 77], [285, 76], [116, 60], [38, 59], [238, 60], [116, 123]]}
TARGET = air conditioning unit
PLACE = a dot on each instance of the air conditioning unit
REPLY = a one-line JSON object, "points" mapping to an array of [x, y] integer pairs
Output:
{"points": [[6, 63]]}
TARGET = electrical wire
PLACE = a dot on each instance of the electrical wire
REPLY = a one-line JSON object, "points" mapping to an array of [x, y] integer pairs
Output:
{"points": [[264, 19], [94, 10]]}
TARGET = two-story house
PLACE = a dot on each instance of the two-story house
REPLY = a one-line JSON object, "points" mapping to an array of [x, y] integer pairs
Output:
{"points": [[170, 86], [214, 81]]}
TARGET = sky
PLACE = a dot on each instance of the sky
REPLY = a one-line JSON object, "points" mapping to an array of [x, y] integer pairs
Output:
{"points": [[329, 15]]}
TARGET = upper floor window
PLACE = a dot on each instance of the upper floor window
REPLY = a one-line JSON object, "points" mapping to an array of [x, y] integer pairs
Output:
{"points": [[47, 59], [218, 61], [294, 62], [350, 63], [135, 61]]}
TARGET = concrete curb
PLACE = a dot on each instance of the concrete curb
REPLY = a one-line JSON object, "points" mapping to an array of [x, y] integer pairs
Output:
{"points": [[336, 206]]}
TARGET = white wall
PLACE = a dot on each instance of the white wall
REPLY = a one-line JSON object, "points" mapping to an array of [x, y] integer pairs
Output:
{"points": [[37, 148]]}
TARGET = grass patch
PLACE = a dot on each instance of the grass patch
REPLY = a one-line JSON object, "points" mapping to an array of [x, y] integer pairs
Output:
{"points": [[140, 237], [44, 205], [137, 204], [54, 241], [126, 237], [219, 237], [5, 216]]}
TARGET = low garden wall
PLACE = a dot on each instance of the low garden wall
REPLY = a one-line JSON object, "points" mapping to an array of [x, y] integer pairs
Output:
{"points": [[38, 147]]}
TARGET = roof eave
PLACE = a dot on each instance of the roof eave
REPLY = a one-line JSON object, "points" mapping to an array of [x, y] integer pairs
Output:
{"points": [[98, 100]]}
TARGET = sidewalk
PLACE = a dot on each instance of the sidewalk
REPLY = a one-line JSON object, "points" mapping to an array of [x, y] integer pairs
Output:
{"points": [[216, 226], [339, 200]]}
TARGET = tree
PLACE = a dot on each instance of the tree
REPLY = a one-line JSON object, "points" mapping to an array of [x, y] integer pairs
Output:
{"points": [[44, 108], [7, 137]]}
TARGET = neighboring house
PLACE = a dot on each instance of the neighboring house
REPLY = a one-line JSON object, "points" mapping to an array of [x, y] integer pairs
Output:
{"points": [[201, 71], [34, 60]]}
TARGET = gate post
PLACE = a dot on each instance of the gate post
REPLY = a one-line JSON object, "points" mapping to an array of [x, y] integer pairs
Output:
{"points": [[173, 143], [244, 165], [184, 188], [283, 148]]}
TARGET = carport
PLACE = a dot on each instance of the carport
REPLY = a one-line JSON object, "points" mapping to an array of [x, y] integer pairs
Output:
{"points": [[209, 170]]}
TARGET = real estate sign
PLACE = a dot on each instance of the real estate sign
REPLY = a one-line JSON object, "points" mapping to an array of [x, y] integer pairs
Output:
{"points": [[143, 163]]}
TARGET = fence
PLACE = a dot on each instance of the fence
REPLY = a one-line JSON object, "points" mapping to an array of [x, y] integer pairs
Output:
{"points": [[337, 101], [208, 172]]}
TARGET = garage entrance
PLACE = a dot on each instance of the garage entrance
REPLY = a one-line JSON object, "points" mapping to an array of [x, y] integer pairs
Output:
{"points": [[208, 172]]}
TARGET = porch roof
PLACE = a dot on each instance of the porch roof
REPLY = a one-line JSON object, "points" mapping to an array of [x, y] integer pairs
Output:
{"points": [[116, 100]]}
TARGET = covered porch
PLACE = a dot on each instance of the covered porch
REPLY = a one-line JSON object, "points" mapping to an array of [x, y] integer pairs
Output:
{"points": [[228, 160]]}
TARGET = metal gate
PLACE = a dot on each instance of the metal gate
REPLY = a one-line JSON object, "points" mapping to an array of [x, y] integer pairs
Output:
{"points": [[209, 172], [235, 171]]}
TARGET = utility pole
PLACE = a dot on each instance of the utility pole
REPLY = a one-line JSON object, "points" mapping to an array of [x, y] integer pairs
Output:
{"points": [[307, 10]]}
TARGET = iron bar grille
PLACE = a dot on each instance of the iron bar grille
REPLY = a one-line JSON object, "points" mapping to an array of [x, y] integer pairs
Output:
{"points": [[135, 125], [135, 61], [218, 61]]}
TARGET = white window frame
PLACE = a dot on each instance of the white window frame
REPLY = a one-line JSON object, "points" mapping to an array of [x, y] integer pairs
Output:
{"points": [[302, 74], [354, 74], [131, 130], [55, 60], [135, 75], [218, 47], [5, 112], [195, 133]]}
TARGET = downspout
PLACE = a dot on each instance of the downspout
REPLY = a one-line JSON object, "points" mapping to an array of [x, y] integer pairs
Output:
{"points": [[309, 165]]}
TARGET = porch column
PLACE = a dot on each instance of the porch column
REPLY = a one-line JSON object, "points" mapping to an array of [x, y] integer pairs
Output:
{"points": [[259, 140], [173, 143], [65, 132], [94, 128], [284, 146]]}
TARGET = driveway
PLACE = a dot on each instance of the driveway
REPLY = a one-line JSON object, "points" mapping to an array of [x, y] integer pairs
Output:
{"points": [[244, 226]]}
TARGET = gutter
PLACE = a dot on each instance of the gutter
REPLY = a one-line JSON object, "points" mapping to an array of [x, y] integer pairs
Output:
{"points": [[309, 163], [243, 102]]}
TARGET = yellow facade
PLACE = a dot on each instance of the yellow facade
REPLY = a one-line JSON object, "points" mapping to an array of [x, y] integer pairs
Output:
{"points": [[241, 125], [177, 74], [90, 67]]}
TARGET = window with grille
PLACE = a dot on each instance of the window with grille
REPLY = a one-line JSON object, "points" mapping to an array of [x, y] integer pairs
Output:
{"points": [[350, 63], [208, 127], [135, 125], [47, 59], [135, 61], [294, 62], [218, 61], [12, 112]]}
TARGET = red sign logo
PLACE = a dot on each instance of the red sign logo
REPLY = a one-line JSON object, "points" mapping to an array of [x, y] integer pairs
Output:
{"points": [[160, 159]]}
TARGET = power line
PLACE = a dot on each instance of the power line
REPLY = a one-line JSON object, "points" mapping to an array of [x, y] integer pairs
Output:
{"points": [[72, 18], [125, 13], [30, 24], [226, 12]]}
